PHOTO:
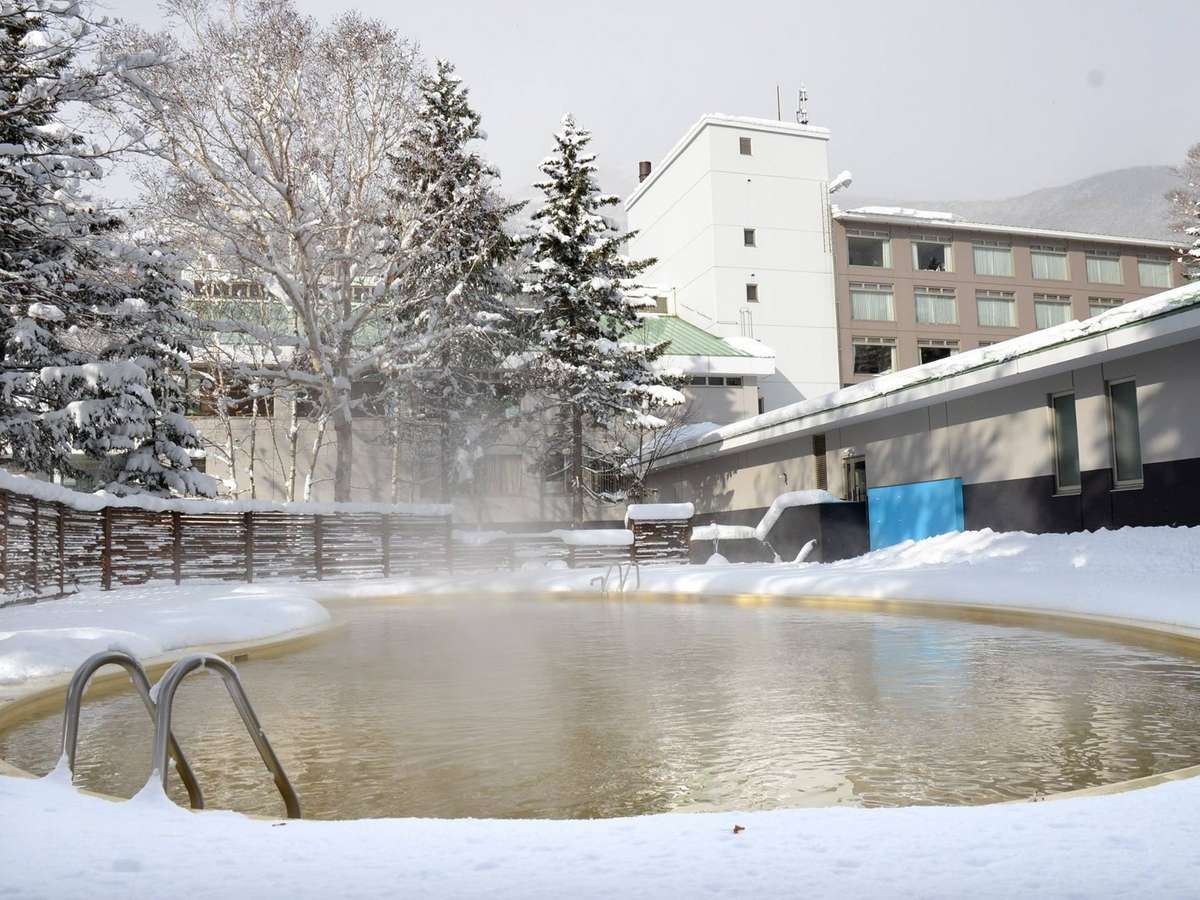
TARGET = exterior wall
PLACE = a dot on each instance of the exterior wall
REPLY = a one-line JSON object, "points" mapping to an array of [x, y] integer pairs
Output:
{"points": [[690, 217], [722, 405], [968, 332], [1000, 444]]}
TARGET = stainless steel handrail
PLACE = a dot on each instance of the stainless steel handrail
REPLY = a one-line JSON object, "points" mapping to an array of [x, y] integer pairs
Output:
{"points": [[167, 686], [137, 674]]}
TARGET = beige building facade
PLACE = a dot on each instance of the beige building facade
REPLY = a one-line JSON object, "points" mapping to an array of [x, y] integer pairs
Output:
{"points": [[915, 286]]}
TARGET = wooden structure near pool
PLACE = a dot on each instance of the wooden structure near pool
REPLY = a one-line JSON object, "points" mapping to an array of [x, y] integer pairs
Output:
{"points": [[61, 542]]}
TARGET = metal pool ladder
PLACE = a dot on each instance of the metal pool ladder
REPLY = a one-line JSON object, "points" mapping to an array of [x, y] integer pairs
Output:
{"points": [[159, 706], [624, 571]]}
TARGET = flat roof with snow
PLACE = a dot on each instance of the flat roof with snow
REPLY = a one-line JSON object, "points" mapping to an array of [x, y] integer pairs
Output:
{"points": [[901, 215]]}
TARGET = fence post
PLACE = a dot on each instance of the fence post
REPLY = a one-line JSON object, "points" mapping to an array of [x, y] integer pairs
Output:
{"points": [[570, 556], [34, 544], [106, 560], [248, 542], [62, 548], [386, 537], [449, 544], [318, 547], [177, 546], [4, 541]]}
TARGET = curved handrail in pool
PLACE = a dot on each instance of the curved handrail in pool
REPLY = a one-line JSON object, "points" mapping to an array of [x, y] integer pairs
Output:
{"points": [[167, 686], [137, 674]]}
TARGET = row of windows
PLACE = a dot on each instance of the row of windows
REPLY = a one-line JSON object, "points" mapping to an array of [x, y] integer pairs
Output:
{"points": [[717, 380], [931, 253], [870, 302], [877, 355], [1125, 436]]}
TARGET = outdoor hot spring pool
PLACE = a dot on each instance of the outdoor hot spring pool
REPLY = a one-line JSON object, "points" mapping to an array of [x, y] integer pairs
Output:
{"points": [[575, 708]]}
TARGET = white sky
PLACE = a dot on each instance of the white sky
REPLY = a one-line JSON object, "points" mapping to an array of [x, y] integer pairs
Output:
{"points": [[942, 100]]}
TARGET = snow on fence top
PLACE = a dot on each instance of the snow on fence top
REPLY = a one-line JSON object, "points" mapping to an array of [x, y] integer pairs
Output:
{"points": [[54, 493], [760, 531], [580, 537], [717, 532], [658, 512]]}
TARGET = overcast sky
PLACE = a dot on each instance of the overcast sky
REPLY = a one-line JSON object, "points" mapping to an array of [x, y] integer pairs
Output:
{"points": [[945, 100]]}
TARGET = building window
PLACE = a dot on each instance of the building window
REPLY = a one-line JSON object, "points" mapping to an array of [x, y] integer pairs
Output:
{"points": [[932, 254], [992, 258], [1097, 305], [749, 239], [932, 349], [734, 381], [872, 302], [1154, 273], [1066, 443], [1126, 438], [744, 146], [1104, 267], [983, 344], [869, 248], [936, 306], [996, 309], [1051, 309], [874, 355], [854, 479], [1049, 263], [751, 293]]}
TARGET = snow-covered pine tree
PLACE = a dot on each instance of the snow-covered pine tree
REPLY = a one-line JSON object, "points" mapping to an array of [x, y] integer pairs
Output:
{"points": [[75, 334], [582, 365], [1185, 203], [454, 325]]}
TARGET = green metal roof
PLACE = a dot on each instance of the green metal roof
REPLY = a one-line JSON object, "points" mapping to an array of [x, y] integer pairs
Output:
{"points": [[684, 338]]}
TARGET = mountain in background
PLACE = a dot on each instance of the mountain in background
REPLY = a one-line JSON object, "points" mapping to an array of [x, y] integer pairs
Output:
{"points": [[1129, 202]]}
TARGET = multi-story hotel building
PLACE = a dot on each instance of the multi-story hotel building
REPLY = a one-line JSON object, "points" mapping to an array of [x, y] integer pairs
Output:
{"points": [[915, 286]]}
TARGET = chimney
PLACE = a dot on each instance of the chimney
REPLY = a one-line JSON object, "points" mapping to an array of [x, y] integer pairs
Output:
{"points": [[643, 170]]}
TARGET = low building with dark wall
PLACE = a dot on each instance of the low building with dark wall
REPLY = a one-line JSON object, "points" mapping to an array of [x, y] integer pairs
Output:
{"points": [[1085, 425]]}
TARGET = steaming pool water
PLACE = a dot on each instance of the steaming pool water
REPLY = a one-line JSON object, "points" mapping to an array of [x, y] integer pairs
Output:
{"points": [[557, 708]]}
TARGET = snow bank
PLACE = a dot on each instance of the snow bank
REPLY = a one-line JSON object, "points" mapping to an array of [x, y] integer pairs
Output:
{"points": [[658, 512], [1136, 844], [787, 501], [44, 490], [55, 636], [1103, 573]]}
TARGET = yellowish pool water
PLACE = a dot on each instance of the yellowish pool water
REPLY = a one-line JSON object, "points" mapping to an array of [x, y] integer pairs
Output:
{"points": [[572, 709]]}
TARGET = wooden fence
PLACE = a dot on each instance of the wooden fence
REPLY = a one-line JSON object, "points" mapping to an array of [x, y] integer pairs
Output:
{"points": [[49, 547]]}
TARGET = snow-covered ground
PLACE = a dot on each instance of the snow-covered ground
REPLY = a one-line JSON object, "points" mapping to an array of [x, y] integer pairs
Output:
{"points": [[1140, 843]]}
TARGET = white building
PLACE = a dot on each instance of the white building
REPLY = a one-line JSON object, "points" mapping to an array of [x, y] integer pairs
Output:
{"points": [[737, 217]]}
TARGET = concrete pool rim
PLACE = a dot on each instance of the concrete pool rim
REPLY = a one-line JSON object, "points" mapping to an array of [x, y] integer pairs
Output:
{"points": [[22, 702]]}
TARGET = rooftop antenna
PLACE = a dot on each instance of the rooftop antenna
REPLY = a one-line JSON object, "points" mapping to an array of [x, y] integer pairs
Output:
{"points": [[802, 106], [778, 105]]}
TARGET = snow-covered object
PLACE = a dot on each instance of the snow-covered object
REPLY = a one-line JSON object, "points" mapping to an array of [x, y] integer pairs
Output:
{"points": [[80, 375], [716, 560], [905, 212], [787, 501], [715, 532], [841, 181], [659, 512], [595, 537], [805, 551], [749, 345], [583, 367], [44, 490], [1122, 316]]}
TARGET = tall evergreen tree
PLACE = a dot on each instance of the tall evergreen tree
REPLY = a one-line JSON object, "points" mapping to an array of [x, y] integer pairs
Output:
{"points": [[590, 376], [1185, 202], [454, 323], [84, 315]]}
